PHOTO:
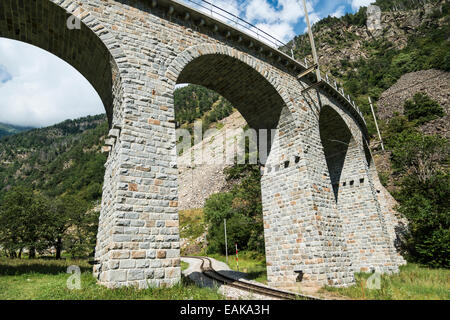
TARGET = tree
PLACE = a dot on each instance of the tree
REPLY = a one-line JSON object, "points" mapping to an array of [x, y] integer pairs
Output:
{"points": [[426, 206], [417, 154], [67, 212], [241, 207], [218, 207], [81, 238], [424, 194], [24, 217]]}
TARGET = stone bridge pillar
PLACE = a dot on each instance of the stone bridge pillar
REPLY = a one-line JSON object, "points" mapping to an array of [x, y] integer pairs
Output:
{"points": [[138, 241]]}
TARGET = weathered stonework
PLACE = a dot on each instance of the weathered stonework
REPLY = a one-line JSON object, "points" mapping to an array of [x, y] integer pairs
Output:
{"points": [[321, 212]]}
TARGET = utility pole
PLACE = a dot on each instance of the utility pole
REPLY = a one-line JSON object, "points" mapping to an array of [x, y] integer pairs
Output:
{"points": [[237, 258], [376, 123], [226, 242], [313, 45]]}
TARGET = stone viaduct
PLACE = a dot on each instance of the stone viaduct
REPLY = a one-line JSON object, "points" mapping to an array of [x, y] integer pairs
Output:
{"points": [[323, 216]]}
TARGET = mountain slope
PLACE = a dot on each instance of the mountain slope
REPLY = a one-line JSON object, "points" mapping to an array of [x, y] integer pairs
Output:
{"points": [[434, 83], [9, 129], [64, 158], [368, 62]]}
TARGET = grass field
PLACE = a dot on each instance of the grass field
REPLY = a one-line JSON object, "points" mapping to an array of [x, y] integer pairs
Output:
{"points": [[192, 226], [414, 282], [252, 263], [46, 279]]}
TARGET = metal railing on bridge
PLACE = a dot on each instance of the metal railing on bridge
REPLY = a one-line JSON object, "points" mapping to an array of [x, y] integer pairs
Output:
{"points": [[224, 16]]}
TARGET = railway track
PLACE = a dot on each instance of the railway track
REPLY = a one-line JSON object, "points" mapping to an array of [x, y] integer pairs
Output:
{"points": [[208, 271]]}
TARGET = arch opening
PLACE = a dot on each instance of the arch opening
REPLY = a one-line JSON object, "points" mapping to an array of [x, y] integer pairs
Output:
{"points": [[43, 24], [87, 48], [261, 107], [245, 88], [337, 142]]}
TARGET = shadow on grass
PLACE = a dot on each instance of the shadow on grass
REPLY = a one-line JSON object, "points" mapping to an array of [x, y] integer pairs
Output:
{"points": [[20, 266], [255, 275]]}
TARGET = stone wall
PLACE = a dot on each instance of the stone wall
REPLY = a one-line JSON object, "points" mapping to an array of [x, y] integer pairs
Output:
{"points": [[149, 50]]}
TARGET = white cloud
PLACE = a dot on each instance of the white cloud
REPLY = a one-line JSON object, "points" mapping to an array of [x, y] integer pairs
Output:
{"points": [[282, 31], [43, 89], [278, 20], [260, 10], [356, 4], [314, 18], [340, 11], [292, 10], [287, 11]]}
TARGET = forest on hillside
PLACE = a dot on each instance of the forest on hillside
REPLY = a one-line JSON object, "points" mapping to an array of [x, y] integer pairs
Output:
{"points": [[8, 129]]}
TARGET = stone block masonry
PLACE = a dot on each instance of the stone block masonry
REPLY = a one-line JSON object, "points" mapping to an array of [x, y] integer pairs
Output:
{"points": [[322, 216]]}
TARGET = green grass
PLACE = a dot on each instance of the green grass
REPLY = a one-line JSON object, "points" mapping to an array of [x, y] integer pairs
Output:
{"points": [[46, 280], [252, 263], [192, 224], [414, 282], [184, 265]]}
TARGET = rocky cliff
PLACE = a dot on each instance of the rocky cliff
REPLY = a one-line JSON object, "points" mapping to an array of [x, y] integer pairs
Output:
{"points": [[198, 181], [435, 83], [339, 41]]}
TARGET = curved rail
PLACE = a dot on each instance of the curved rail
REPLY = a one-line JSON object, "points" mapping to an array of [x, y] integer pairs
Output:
{"points": [[208, 271]]}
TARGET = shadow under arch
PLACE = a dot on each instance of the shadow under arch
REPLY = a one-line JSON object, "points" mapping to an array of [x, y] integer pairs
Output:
{"points": [[251, 93], [337, 141], [43, 23]]}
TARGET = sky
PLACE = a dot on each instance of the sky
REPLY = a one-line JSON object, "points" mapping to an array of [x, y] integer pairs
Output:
{"points": [[38, 89]]}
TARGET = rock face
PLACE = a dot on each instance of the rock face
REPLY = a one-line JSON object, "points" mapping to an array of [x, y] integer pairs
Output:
{"points": [[435, 83], [342, 42], [198, 182]]}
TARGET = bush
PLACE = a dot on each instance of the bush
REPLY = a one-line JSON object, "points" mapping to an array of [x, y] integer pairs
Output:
{"points": [[243, 210], [239, 231], [422, 109], [445, 64], [218, 207], [418, 154]]}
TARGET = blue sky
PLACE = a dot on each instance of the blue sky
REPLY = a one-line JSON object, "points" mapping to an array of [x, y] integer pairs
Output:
{"points": [[285, 18], [39, 89]]}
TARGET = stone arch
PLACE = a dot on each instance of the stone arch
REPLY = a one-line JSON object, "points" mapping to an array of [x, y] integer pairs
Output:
{"points": [[252, 88], [219, 53], [92, 50], [238, 77]]}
